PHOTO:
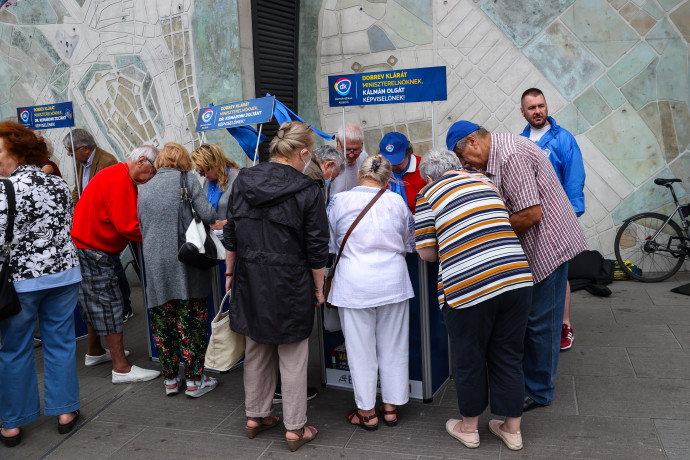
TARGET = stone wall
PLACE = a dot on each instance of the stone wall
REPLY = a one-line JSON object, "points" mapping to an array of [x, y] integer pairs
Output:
{"points": [[615, 73], [132, 68]]}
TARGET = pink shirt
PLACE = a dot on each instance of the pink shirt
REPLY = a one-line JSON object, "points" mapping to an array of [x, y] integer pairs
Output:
{"points": [[525, 177]]}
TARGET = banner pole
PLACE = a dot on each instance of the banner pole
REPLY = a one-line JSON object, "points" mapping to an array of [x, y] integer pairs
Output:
{"points": [[433, 127], [74, 163], [345, 148], [258, 141]]}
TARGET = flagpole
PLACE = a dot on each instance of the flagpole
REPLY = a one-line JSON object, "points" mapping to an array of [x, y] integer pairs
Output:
{"points": [[74, 163], [345, 148], [258, 141], [433, 127]]}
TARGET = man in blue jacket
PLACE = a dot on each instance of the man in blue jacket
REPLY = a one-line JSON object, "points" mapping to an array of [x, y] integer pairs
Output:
{"points": [[562, 149]]}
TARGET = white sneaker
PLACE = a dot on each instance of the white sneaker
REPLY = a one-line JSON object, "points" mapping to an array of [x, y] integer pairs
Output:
{"points": [[104, 358], [203, 386], [135, 374]]}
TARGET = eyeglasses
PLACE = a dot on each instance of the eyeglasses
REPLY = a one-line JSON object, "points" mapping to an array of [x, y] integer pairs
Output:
{"points": [[354, 151], [151, 163], [69, 149]]}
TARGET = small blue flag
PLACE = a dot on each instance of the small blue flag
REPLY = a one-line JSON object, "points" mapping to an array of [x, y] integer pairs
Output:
{"points": [[246, 137], [283, 114]]}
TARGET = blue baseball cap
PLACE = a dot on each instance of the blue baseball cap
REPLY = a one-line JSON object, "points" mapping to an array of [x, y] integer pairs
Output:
{"points": [[459, 130], [393, 147]]}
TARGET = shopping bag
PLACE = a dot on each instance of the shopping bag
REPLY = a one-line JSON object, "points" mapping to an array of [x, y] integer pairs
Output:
{"points": [[225, 347]]}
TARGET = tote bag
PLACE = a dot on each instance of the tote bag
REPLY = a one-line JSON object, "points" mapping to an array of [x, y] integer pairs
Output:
{"points": [[225, 347], [9, 302]]}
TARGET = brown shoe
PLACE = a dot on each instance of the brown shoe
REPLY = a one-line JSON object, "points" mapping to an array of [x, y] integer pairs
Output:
{"points": [[295, 444]]}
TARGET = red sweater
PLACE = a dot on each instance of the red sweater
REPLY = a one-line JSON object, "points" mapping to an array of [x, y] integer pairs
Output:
{"points": [[413, 182], [105, 217]]}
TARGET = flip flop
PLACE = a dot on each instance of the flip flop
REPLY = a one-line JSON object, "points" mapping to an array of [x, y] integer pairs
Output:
{"points": [[254, 430], [384, 412], [362, 420], [295, 444]]}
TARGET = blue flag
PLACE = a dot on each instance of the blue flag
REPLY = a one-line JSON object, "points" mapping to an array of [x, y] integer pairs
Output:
{"points": [[283, 114], [246, 137]]}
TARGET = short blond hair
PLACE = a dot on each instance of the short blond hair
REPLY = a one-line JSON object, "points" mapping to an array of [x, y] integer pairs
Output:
{"points": [[292, 137], [376, 168], [175, 156], [212, 157]]}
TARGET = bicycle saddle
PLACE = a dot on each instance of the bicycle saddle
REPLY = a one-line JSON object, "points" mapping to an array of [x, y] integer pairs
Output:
{"points": [[665, 181]]}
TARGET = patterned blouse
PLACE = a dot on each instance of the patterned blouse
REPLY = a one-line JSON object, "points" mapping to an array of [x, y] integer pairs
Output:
{"points": [[42, 244]]}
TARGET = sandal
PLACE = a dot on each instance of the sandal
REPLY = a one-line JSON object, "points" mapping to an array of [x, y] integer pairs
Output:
{"points": [[384, 412], [363, 419], [252, 431], [203, 386], [172, 386], [11, 441], [295, 444], [64, 428]]}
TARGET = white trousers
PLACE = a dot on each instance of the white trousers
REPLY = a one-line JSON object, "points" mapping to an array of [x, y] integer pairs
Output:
{"points": [[377, 343]]}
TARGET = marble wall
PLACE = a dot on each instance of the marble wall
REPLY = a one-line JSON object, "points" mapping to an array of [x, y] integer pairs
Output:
{"points": [[132, 68], [615, 73]]}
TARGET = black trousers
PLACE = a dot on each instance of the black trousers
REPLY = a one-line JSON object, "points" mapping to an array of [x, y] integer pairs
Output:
{"points": [[488, 342]]}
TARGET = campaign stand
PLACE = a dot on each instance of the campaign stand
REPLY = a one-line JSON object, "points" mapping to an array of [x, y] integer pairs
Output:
{"points": [[52, 116], [429, 354]]}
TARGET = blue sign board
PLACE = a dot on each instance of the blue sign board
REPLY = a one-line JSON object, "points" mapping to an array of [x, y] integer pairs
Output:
{"points": [[388, 87], [240, 113], [48, 116]]}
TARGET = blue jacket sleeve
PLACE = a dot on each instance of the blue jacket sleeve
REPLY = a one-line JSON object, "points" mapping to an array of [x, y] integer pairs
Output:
{"points": [[573, 174]]}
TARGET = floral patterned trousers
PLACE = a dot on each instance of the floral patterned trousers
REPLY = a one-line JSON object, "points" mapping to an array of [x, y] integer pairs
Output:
{"points": [[179, 329]]}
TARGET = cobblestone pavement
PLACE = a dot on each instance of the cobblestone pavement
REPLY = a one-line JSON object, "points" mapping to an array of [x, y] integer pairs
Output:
{"points": [[623, 391]]}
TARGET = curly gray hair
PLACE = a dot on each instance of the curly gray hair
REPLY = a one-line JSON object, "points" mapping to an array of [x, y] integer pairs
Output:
{"points": [[437, 161]]}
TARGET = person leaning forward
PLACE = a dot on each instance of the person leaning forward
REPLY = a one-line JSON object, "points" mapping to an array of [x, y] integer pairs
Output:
{"points": [[102, 228], [91, 159], [547, 227]]}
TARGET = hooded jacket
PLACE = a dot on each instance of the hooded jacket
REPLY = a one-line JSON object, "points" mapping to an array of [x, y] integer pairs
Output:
{"points": [[278, 227], [565, 156]]}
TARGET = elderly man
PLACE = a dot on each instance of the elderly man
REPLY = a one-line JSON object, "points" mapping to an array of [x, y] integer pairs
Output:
{"points": [[105, 220], [406, 180], [354, 142], [544, 220], [565, 156], [485, 288], [326, 164], [91, 159]]}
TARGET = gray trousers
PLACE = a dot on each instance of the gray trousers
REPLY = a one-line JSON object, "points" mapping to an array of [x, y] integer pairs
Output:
{"points": [[260, 363]]}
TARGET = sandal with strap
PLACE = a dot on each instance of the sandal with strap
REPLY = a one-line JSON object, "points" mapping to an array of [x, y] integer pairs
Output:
{"points": [[384, 412], [203, 386], [295, 444], [363, 419], [252, 431]]}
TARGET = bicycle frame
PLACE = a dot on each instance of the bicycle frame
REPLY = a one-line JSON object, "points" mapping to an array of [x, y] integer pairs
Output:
{"points": [[683, 220]]}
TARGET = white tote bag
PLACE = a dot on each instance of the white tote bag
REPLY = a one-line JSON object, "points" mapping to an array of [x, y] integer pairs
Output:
{"points": [[225, 347]]}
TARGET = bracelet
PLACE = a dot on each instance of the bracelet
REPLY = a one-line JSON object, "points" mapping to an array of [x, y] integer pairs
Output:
{"points": [[228, 274]]}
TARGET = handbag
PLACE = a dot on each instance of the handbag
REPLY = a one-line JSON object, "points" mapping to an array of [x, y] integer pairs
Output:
{"points": [[331, 319], [197, 245], [225, 347], [9, 302]]}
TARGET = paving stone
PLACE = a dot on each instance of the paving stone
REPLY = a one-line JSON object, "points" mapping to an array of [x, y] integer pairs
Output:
{"points": [[661, 364], [602, 361], [656, 336], [97, 440]]}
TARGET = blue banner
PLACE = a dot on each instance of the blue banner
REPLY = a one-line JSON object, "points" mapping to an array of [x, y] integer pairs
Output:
{"points": [[388, 87], [240, 113], [48, 116]]}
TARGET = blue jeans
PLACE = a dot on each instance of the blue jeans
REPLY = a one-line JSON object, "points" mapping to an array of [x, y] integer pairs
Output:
{"points": [[19, 399], [543, 335]]}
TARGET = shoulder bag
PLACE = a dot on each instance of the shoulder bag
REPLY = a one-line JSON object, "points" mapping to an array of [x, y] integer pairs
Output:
{"points": [[331, 320], [225, 346], [9, 302], [197, 245]]}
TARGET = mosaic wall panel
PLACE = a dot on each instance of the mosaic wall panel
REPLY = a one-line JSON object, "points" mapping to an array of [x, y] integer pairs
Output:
{"points": [[615, 73], [130, 67]]}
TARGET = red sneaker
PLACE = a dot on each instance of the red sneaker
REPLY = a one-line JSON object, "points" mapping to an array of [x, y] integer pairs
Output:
{"points": [[567, 337]]}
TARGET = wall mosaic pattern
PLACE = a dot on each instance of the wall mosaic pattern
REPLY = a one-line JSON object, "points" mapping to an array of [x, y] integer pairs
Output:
{"points": [[130, 67], [615, 73]]}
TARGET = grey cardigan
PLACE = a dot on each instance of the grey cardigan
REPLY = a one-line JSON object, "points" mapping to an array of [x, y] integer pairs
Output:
{"points": [[167, 278], [225, 197]]}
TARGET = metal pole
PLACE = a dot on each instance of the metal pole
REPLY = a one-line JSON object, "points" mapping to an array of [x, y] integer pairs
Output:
{"points": [[433, 127], [347, 186], [74, 163], [427, 387], [258, 141]]}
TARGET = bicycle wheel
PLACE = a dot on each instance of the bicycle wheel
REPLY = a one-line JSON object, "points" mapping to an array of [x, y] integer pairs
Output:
{"points": [[634, 243]]}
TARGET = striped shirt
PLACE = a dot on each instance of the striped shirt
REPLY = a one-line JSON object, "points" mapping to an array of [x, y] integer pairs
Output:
{"points": [[525, 178], [480, 256]]}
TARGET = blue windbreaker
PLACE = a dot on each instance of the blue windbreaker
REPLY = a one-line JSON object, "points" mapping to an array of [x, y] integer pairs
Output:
{"points": [[562, 149]]}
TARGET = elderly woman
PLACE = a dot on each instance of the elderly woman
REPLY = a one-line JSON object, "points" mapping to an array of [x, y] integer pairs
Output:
{"points": [[277, 248], [176, 292], [219, 172], [485, 289], [371, 289], [45, 272]]}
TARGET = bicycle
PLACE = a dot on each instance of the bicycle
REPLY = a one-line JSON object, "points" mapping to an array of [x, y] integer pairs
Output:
{"points": [[655, 243]]}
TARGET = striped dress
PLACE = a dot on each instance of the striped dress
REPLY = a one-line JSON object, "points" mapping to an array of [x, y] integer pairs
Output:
{"points": [[480, 256]]}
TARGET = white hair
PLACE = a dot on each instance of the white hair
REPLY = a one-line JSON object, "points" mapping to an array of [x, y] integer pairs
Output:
{"points": [[436, 162], [353, 132], [148, 151]]}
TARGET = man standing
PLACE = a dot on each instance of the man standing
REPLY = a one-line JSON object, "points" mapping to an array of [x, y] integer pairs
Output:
{"points": [[562, 149], [105, 220], [326, 164], [406, 180], [547, 227], [91, 159], [354, 139]]}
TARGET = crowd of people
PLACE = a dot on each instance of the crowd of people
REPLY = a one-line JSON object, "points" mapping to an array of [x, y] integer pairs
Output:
{"points": [[497, 211]]}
